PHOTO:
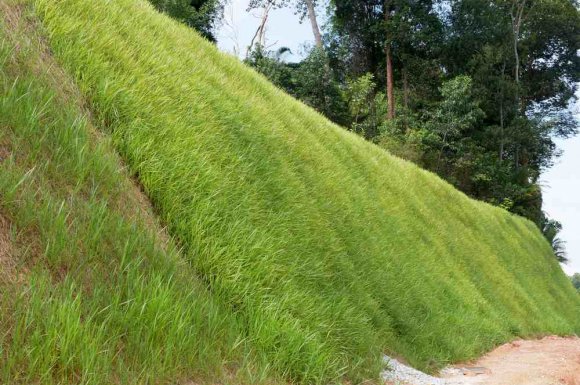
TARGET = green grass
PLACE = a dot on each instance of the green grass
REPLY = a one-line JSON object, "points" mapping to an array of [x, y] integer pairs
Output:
{"points": [[99, 295], [303, 252]]}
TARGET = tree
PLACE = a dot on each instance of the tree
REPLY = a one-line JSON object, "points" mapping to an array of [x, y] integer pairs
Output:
{"points": [[304, 8], [258, 42], [576, 281], [392, 39], [310, 80], [521, 55], [551, 228], [456, 114], [517, 9], [387, 9], [474, 90], [201, 15]]}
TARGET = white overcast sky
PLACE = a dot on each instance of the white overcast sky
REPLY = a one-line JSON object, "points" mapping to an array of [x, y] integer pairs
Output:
{"points": [[283, 29], [561, 184], [561, 187]]}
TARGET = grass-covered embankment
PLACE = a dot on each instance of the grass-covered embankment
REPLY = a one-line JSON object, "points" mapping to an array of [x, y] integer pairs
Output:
{"points": [[91, 290], [316, 250]]}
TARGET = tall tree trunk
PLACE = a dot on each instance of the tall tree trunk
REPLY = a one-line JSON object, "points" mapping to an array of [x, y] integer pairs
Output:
{"points": [[406, 97], [314, 23], [502, 133], [390, 93], [405, 88], [389, 65], [501, 118], [517, 15]]}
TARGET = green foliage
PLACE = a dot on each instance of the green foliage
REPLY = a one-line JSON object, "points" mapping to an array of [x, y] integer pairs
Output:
{"points": [[551, 228], [327, 250], [500, 157], [312, 81], [456, 114], [201, 15], [575, 278], [522, 115], [273, 67], [367, 108], [99, 294]]}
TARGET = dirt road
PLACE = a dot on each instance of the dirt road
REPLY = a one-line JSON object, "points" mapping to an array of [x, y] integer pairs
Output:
{"points": [[549, 361]]}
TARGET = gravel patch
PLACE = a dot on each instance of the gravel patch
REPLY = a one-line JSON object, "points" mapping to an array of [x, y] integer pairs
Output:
{"points": [[400, 374]]}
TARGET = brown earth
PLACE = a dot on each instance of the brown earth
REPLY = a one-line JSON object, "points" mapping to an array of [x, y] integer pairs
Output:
{"points": [[549, 361], [6, 257]]}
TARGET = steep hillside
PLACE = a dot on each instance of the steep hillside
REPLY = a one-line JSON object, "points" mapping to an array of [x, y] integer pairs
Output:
{"points": [[92, 290], [304, 252]]}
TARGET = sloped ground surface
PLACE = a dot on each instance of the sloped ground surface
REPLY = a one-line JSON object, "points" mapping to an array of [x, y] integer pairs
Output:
{"points": [[92, 289], [299, 251], [550, 361], [327, 248]]}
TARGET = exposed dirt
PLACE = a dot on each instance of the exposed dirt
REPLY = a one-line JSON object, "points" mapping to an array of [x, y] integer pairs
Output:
{"points": [[12, 14], [549, 361], [4, 149], [6, 255]]}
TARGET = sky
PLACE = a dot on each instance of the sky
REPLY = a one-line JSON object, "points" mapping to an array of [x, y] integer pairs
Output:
{"points": [[561, 187], [283, 30], [560, 184]]}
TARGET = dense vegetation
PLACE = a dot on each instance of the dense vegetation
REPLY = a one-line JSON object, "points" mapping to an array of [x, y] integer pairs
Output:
{"points": [[576, 281], [202, 15], [300, 251], [92, 291], [473, 90]]}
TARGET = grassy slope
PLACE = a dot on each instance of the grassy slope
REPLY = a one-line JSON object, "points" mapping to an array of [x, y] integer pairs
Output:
{"points": [[91, 289], [320, 250]]}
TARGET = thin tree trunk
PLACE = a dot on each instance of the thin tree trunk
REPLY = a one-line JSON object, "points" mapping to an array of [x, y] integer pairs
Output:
{"points": [[314, 23], [260, 34], [517, 58], [406, 98], [390, 93], [501, 139], [501, 118], [517, 15], [389, 65], [405, 89]]}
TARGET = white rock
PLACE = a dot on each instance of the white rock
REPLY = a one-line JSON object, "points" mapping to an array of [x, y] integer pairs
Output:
{"points": [[401, 374]]}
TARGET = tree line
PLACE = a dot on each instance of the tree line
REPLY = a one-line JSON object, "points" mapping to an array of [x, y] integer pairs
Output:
{"points": [[473, 90]]}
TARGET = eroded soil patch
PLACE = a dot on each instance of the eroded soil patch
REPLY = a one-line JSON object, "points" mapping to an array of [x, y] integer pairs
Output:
{"points": [[7, 263]]}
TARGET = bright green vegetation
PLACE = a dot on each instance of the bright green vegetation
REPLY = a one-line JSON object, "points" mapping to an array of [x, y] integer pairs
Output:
{"points": [[481, 88], [303, 253], [92, 291]]}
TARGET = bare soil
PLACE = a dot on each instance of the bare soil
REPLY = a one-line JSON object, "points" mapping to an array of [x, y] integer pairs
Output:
{"points": [[6, 257], [549, 361]]}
